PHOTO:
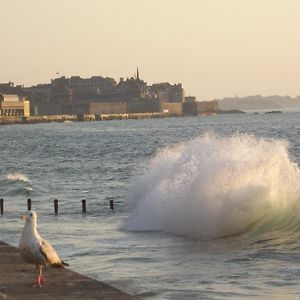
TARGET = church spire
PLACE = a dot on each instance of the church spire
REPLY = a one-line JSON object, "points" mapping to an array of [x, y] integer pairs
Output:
{"points": [[137, 74]]}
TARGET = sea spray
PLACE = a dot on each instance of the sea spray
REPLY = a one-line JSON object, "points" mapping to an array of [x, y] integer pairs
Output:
{"points": [[17, 177], [216, 186]]}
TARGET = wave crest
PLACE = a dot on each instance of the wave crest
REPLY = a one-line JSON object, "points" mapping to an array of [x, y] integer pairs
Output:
{"points": [[17, 177], [215, 186], [14, 184]]}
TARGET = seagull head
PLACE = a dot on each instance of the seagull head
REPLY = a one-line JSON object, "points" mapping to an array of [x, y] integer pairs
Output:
{"points": [[30, 217]]}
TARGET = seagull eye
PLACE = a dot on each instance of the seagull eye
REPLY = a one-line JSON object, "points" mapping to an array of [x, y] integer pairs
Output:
{"points": [[31, 215]]}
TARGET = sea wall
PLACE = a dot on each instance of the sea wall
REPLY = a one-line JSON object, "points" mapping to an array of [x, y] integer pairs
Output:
{"points": [[9, 120], [173, 108], [203, 107], [108, 108]]}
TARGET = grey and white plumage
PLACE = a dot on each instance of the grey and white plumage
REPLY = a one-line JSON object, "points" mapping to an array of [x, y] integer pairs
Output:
{"points": [[35, 249]]}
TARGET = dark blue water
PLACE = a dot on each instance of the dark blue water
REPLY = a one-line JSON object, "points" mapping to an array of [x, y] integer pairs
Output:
{"points": [[216, 198]]}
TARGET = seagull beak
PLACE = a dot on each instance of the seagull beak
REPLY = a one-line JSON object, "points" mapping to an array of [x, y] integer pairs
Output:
{"points": [[23, 217]]}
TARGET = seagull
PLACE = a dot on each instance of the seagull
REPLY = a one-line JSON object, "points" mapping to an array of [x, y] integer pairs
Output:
{"points": [[35, 249]]}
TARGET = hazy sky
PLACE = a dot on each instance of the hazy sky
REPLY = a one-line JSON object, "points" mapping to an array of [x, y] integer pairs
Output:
{"points": [[216, 48]]}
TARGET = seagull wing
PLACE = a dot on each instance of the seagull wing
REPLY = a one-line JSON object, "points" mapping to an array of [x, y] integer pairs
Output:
{"points": [[50, 254]]}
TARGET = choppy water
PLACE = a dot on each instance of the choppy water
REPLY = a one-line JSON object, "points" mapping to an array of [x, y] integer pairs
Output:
{"points": [[205, 207]]}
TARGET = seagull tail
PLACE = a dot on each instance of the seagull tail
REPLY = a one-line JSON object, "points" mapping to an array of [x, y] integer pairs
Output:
{"points": [[65, 264], [60, 264]]}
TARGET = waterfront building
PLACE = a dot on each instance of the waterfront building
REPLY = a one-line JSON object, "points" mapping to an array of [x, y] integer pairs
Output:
{"points": [[14, 105], [39, 96], [10, 88], [96, 86], [189, 99], [167, 92], [96, 95], [131, 89], [61, 97]]}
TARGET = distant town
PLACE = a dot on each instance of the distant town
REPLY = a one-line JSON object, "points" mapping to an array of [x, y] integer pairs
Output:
{"points": [[99, 95]]}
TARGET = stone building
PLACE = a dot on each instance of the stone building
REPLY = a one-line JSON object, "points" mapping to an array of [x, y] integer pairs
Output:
{"points": [[39, 96], [167, 92], [96, 95], [131, 89], [61, 97], [189, 99], [96, 86]]}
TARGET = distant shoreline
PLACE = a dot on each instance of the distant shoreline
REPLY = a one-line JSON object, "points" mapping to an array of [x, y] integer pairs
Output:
{"points": [[12, 120]]}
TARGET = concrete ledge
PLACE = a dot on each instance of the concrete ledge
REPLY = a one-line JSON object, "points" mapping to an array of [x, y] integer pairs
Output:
{"points": [[17, 276]]}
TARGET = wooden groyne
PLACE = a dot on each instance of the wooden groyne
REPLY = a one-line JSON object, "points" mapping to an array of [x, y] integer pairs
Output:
{"points": [[10, 120], [55, 202], [16, 277]]}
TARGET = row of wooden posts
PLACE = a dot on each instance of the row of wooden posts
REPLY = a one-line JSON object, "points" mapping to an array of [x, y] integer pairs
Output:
{"points": [[55, 201]]}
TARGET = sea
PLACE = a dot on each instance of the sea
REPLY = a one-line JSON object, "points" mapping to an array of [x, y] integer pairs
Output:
{"points": [[205, 207]]}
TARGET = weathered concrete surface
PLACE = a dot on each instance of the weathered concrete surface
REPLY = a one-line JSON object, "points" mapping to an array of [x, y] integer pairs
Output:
{"points": [[17, 276]]}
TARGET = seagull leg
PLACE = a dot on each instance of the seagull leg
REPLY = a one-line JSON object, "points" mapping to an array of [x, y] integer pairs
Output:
{"points": [[40, 278], [43, 279], [36, 282]]}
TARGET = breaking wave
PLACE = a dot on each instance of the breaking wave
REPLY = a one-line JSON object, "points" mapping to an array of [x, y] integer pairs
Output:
{"points": [[17, 177], [14, 184], [218, 186]]}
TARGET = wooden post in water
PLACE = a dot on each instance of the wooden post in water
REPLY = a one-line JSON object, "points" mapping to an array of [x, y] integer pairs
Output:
{"points": [[1, 206], [29, 204], [111, 204], [83, 205], [56, 206]]}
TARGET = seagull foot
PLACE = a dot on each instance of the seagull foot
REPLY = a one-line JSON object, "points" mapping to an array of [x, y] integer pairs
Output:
{"points": [[35, 285], [39, 281]]}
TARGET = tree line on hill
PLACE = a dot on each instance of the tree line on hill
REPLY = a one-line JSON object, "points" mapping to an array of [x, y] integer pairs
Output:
{"points": [[254, 102]]}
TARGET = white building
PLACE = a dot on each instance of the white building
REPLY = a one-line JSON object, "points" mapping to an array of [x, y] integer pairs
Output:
{"points": [[14, 105]]}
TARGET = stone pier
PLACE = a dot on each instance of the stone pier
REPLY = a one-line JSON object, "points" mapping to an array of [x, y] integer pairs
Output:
{"points": [[16, 278]]}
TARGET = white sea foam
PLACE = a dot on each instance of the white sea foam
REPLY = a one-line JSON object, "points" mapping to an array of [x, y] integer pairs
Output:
{"points": [[215, 186], [17, 177]]}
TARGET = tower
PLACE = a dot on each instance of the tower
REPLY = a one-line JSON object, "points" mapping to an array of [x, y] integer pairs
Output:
{"points": [[137, 74]]}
